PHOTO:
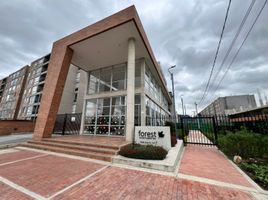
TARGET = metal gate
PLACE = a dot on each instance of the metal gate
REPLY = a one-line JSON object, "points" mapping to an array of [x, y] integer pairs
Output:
{"points": [[68, 124], [199, 130]]}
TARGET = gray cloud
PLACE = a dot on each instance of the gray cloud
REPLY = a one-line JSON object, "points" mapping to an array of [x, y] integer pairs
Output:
{"points": [[184, 33]]}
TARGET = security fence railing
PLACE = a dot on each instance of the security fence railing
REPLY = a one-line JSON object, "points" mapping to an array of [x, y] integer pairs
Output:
{"points": [[70, 123]]}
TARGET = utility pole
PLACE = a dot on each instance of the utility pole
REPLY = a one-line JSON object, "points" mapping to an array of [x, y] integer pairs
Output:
{"points": [[198, 123], [182, 106], [173, 97], [196, 108]]}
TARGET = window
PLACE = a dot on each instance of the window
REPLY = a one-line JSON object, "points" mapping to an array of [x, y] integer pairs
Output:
{"points": [[138, 74], [36, 80], [73, 108], [29, 111], [119, 78], [137, 110], [105, 116], [34, 89], [75, 98], [31, 99], [105, 80], [93, 82], [155, 115]]}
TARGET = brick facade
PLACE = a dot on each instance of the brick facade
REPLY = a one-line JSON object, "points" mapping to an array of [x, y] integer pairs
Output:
{"points": [[15, 126], [60, 60]]}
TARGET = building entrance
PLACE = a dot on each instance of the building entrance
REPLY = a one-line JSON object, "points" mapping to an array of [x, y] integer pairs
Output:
{"points": [[105, 116]]}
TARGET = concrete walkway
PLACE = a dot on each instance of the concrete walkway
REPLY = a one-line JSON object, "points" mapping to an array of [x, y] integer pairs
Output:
{"points": [[14, 139]]}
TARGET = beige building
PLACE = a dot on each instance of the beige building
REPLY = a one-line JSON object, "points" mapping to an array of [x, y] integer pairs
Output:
{"points": [[11, 93], [229, 105], [21, 92], [32, 95]]}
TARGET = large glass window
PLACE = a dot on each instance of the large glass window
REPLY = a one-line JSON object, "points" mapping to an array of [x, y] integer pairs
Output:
{"points": [[105, 80], [155, 115], [93, 82], [138, 74], [105, 116], [112, 78], [137, 110], [119, 78]]}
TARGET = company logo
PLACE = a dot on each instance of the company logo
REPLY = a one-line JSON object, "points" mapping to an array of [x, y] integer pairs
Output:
{"points": [[150, 135], [161, 134]]}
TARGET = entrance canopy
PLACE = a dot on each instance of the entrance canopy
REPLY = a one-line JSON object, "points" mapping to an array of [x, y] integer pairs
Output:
{"points": [[108, 48]]}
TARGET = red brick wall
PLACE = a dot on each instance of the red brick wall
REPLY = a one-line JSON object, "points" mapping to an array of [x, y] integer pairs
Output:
{"points": [[15, 126]]}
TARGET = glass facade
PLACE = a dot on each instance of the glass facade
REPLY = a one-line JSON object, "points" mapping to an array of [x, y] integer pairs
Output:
{"points": [[105, 113], [105, 116]]}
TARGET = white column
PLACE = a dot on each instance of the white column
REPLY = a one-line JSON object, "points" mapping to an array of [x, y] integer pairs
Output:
{"points": [[130, 90], [84, 105]]}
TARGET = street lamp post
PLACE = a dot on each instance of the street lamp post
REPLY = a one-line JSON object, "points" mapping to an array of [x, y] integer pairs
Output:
{"points": [[173, 97], [182, 106]]}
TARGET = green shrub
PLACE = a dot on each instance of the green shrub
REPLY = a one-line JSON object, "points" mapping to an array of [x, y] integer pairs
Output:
{"points": [[147, 152], [173, 136], [243, 143], [258, 172], [180, 134]]}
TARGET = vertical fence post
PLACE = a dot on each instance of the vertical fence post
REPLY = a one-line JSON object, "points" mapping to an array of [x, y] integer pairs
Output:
{"points": [[64, 124], [215, 131], [182, 131]]}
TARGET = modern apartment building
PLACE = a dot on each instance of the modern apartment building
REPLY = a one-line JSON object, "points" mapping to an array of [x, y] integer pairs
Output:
{"points": [[125, 85], [229, 105], [13, 86], [2, 87], [32, 93], [21, 92]]}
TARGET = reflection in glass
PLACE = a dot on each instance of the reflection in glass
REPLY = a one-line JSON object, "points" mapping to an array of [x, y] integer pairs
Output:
{"points": [[105, 80]]}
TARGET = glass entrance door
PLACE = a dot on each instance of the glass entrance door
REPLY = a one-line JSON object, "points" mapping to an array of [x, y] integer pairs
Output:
{"points": [[105, 116]]}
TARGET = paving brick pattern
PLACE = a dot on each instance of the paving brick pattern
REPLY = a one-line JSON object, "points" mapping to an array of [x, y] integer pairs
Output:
{"points": [[17, 155], [11, 194], [208, 162], [47, 175], [117, 183]]}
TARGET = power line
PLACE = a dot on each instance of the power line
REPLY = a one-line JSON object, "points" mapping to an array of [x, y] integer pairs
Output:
{"points": [[257, 17], [233, 41], [217, 51]]}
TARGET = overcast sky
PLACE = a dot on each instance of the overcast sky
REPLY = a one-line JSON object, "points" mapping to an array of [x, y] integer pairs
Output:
{"points": [[184, 33]]}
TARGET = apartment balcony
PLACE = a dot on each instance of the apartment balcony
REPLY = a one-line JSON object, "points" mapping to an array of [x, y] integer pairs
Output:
{"points": [[44, 68], [40, 88]]}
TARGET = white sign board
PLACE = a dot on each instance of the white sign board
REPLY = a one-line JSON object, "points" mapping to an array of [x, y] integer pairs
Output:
{"points": [[72, 119], [153, 135]]}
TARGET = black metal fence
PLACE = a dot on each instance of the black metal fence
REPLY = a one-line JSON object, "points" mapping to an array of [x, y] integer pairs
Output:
{"points": [[256, 123], [199, 130], [68, 124]]}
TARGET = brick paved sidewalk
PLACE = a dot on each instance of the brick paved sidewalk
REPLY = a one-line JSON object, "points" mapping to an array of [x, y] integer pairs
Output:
{"points": [[45, 175], [208, 162]]}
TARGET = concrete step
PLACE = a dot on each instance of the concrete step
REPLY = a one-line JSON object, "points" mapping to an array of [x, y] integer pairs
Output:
{"points": [[88, 144], [76, 147], [93, 155]]}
